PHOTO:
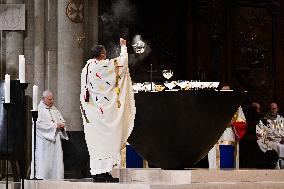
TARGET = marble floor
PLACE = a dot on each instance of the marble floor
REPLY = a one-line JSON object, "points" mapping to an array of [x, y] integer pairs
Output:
{"points": [[170, 179]]}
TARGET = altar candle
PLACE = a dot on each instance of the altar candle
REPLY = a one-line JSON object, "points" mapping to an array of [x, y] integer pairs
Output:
{"points": [[7, 88], [22, 69], [35, 97]]}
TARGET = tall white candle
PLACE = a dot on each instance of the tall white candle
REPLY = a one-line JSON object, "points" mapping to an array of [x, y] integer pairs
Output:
{"points": [[7, 88], [22, 73], [35, 97]]}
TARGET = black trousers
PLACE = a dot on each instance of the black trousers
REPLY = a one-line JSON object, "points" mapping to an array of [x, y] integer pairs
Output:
{"points": [[271, 158]]}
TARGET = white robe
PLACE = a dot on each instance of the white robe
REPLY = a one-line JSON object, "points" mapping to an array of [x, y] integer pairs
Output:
{"points": [[106, 126], [49, 154], [274, 130]]}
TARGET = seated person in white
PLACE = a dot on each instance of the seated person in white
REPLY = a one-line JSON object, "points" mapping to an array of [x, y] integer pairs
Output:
{"points": [[270, 138]]}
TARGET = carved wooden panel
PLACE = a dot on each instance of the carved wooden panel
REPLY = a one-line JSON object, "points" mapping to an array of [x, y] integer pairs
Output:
{"points": [[234, 42], [252, 67]]}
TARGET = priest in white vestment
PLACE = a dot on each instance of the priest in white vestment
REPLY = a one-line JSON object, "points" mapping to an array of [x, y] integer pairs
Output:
{"points": [[270, 138], [108, 110], [50, 129]]}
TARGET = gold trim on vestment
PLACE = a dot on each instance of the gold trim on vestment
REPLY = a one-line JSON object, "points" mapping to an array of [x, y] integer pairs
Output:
{"points": [[117, 89], [226, 142], [145, 164], [123, 157], [217, 156]]}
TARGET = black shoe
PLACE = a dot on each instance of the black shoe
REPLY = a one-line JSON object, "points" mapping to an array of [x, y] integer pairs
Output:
{"points": [[104, 177], [111, 179], [100, 178]]}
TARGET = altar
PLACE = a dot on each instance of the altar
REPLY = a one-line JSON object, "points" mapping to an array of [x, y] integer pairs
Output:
{"points": [[175, 129]]}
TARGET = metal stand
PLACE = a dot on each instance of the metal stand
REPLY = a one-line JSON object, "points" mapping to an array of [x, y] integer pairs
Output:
{"points": [[34, 116], [151, 77], [7, 108]]}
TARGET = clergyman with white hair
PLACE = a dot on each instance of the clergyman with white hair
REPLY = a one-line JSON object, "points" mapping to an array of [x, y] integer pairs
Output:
{"points": [[50, 129]]}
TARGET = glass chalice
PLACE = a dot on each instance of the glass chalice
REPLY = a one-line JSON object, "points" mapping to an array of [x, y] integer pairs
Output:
{"points": [[170, 84], [182, 84], [167, 74]]}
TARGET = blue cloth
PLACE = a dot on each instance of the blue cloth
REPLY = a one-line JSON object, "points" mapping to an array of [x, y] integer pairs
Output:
{"points": [[133, 160], [227, 156]]}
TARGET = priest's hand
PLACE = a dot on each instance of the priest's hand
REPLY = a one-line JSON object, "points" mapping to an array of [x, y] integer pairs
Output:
{"points": [[122, 41], [61, 126]]}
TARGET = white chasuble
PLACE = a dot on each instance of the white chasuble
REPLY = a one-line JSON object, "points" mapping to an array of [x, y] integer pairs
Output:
{"points": [[108, 115], [48, 153]]}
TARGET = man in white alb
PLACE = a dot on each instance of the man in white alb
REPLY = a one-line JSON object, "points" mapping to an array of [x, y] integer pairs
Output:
{"points": [[108, 110], [50, 129]]}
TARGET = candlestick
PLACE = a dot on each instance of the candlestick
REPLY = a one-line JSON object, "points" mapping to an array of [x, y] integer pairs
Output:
{"points": [[7, 88], [35, 97], [7, 108], [22, 73], [34, 116]]}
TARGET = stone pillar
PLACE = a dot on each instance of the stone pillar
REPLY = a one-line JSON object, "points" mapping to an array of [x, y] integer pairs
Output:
{"points": [[90, 26], [29, 45], [39, 44], [51, 66], [2, 55], [14, 47], [70, 60]]}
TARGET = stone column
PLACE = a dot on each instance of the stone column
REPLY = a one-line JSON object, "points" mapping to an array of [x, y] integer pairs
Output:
{"points": [[51, 66], [29, 45], [2, 55], [14, 47], [70, 60], [90, 26], [39, 44]]}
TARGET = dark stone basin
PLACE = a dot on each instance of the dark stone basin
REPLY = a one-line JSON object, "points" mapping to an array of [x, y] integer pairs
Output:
{"points": [[174, 130]]}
